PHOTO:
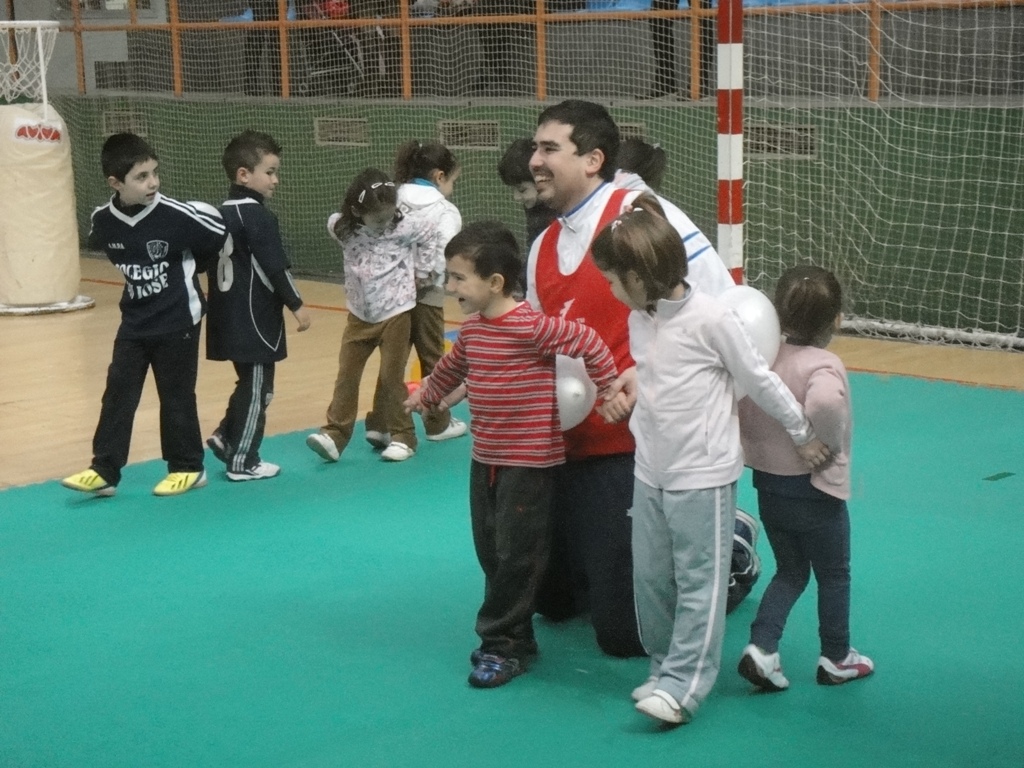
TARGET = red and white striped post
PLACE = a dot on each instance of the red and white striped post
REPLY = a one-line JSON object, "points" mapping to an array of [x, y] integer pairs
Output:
{"points": [[730, 136]]}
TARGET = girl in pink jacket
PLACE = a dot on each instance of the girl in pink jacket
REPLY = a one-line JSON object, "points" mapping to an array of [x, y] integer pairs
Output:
{"points": [[804, 514]]}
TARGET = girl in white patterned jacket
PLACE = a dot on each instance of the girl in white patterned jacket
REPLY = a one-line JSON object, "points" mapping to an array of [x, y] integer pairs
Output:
{"points": [[382, 262]]}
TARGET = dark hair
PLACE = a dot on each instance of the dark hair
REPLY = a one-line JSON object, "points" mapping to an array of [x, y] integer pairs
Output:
{"points": [[369, 191], [247, 150], [592, 128], [122, 152], [641, 240], [808, 299], [514, 166], [646, 160], [492, 249], [417, 159]]}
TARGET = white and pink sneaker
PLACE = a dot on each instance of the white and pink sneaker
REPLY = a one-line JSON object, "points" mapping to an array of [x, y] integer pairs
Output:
{"points": [[853, 667]]}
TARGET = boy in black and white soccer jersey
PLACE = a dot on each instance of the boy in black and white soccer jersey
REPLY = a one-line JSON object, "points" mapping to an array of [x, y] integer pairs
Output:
{"points": [[156, 242], [248, 290]]}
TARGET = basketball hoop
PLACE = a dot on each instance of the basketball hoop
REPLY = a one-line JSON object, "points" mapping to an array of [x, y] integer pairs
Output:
{"points": [[39, 260], [25, 50]]}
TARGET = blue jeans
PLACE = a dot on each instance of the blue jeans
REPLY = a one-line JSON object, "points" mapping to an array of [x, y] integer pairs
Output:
{"points": [[805, 534]]}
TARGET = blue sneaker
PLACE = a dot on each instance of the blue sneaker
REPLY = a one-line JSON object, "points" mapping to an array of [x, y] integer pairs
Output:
{"points": [[492, 670], [478, 653]]}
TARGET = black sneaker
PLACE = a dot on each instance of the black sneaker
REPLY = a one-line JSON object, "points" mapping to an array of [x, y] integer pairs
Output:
{"points": [[492, 670], [218, 448], [746, 565]]}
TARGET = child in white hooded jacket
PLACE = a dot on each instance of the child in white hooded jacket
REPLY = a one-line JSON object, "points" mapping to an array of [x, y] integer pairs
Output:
{"points": [[426, 173]]}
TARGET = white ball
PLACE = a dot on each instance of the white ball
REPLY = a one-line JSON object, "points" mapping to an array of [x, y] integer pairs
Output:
{"points": [[206, 208], [574, 391], [758, 316], [757, 313]]}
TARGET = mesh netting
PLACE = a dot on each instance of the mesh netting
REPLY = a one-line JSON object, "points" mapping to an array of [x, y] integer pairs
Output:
{"points": [[914, 198], [886, 146]]}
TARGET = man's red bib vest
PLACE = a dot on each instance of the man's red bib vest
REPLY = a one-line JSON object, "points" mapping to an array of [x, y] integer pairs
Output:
{"points": [[585, 297]]}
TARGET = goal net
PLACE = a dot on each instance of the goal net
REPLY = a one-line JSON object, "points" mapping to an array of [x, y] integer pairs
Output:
{"points": [[883, 141], [890, 149]]}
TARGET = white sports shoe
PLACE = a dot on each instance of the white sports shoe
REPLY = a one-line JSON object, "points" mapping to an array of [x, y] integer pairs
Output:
{"points": [[853, 667], [661, 706], [379, 440], [645, 689], [261, 471], [397, 452], [762, 669], [457, 428], [322, 446]]}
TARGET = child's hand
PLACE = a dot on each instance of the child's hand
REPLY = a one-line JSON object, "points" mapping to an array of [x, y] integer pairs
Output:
{"points": [[619, 398], [423, 282], [303, 317], [615, 408], [814, 453], [414, 402], [449, 400]]}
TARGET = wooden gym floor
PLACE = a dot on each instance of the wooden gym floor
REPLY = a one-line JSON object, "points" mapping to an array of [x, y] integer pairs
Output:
{"points": [[54, 367]]}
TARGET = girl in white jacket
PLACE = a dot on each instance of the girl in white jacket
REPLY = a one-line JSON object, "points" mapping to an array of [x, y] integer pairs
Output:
{"points": [[689, 350], [426, 172]]}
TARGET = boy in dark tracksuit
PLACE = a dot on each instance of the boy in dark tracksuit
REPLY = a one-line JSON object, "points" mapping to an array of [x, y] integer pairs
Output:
{"points": [[248, 289], [160, 245]]}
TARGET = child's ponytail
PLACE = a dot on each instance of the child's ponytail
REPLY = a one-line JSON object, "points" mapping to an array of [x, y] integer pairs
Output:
{"points": [[808, 299], [419, 159]]}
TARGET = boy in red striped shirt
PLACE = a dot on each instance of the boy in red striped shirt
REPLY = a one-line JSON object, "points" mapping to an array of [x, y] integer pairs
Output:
{"points": [[505, 354]]}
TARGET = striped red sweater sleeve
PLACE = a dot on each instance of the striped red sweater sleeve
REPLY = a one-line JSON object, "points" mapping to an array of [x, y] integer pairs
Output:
{"points": [[508, 364]]}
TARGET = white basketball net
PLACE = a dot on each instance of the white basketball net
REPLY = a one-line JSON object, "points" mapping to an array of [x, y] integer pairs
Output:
{"points": [[25, 50]]}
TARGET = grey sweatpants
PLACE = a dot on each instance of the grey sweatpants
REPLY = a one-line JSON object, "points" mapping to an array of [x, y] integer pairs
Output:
{"points": [[682, 547]]}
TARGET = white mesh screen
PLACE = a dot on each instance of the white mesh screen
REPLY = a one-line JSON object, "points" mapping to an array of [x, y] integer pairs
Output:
{"points": [[914, 198]]}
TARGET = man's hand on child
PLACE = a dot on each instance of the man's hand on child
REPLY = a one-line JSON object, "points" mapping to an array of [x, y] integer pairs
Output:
{"points": [[814, 453], [303, 317]]}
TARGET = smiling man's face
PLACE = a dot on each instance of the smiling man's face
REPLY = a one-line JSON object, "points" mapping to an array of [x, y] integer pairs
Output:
{"points": [[563, 177]]}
